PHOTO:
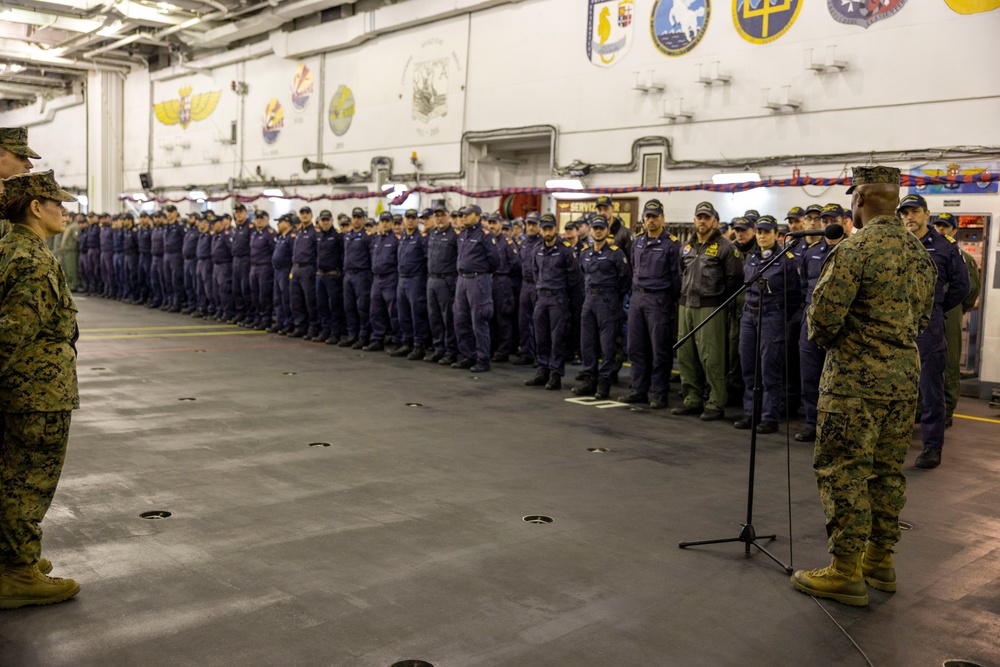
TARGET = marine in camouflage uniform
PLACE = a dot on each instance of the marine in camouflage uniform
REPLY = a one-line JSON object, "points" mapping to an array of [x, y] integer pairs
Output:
{"points": [[15, 157], [873, 297], [38, 387]]}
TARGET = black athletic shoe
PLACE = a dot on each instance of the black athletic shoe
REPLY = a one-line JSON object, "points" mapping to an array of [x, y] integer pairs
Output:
{"points": [[464, 364], [634, 397], [554, 383], [480, 368], [523, 361]]}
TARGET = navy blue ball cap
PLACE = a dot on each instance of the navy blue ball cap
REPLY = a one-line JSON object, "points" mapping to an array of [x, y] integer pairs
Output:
{"points": [[742, 223], [570, 225], [706, 208], [599, 221], [532, 217], [795, 212], [240, 207], [814, 208], [604, 200], [832, 211], [471, 208], [261, 214], [751, 214], [385, 216], [325, 215], [505, 224], [440, 207], [410, 213], [766, 222], [426, 213], [912, 201], [946, 219], [653, 206], [547, 220], [358, 213]]}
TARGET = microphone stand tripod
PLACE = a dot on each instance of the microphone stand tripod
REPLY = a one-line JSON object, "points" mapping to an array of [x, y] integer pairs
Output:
{"points": [[748, 535]]}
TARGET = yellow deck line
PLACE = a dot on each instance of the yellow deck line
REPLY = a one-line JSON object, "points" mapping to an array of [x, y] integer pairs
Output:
{"points": [[978, 419], [190, 326], [173, 335]]}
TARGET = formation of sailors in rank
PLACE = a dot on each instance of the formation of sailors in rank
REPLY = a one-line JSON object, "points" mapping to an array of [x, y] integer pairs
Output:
{"points": [[467, 290]]}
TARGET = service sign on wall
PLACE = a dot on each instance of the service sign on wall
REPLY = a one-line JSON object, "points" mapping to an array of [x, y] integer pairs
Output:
{"points": [[679, 25], [609, 30], [573, 209], [975, 172]]}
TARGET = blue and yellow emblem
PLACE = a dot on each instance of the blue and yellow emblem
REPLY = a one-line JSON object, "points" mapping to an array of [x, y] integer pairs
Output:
{"points": [[677, 26], [763, 21]]}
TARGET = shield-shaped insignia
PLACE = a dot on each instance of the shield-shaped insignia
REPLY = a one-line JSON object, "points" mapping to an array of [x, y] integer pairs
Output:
{"points": [[609, 30], [763, 21], [678, 26], [863, 12], [625, 8]]}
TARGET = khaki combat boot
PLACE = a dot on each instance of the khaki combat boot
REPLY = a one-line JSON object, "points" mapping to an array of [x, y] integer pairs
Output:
{"points": [[877, 569], [841, 581], [23, 585]]}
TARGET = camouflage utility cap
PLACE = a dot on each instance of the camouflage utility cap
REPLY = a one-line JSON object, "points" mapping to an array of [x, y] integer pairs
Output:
{"points": [[15, 139], [40, 185], [876, 174]]}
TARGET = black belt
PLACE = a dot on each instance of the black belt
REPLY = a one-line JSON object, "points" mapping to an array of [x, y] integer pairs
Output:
{"points": [[498, 273], [473, 275], [411, 275], [303, 266], [441, 275], [646, 290], [599, 290], [552, 292], [329, 272], [354, 272], [384, 275], [222, 263]]}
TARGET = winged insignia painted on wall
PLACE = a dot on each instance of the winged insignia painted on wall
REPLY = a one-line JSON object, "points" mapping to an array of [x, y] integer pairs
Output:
{"points": [[188, 108]]}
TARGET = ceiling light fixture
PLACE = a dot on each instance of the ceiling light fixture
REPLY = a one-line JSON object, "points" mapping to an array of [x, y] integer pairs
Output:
{"points": [[739, 177]]}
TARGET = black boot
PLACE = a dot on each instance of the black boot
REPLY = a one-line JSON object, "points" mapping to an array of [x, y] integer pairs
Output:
{"points": [[540, 380]]}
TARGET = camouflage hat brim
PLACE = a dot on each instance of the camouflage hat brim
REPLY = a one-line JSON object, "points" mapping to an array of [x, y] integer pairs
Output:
{"points": [[64, 196], [24, 151]]}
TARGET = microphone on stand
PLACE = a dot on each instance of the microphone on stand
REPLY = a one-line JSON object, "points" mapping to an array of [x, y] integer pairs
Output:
{"points": [[832, 232]]}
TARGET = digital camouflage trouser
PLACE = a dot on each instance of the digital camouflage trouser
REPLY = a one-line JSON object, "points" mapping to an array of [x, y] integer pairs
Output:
{"points": [[31, 458], [860, 447]]}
